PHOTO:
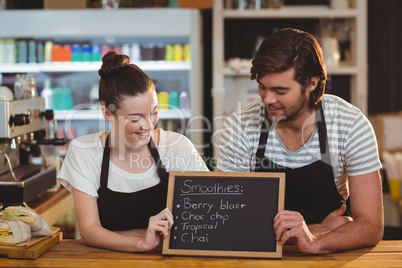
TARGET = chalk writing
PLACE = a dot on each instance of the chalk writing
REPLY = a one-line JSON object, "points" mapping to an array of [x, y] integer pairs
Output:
{"points": [[217, 189], [225, 214], [207, 210]]}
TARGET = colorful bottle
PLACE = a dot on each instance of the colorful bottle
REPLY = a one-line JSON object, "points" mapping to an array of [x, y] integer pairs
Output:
{"points": [[76, 54], [48, 51], [174, 100], [96, 53], [163, 99]]}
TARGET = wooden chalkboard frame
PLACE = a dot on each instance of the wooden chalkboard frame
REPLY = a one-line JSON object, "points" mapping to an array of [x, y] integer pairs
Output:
{"points": [[167, 250]]}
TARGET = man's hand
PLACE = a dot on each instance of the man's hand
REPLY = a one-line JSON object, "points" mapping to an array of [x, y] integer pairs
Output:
{"points": [[290, 226], [332, 221], [338, 232]]}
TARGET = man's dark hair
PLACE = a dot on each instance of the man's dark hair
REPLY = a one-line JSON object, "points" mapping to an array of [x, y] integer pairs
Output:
{"points": [[291, 48]]}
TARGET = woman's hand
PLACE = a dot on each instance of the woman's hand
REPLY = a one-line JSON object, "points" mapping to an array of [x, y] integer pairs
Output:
{"points": [[159, 225]]}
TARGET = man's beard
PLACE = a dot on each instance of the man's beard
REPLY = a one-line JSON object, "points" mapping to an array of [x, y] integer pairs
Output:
{"points": [[294, 112]]}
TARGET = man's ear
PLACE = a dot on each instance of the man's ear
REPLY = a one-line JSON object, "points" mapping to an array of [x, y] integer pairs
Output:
{"points": [[313, 83], [107, 114]]}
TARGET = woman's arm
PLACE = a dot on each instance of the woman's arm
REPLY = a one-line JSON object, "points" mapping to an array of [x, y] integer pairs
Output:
{"points": [[93, 234], [134, 232]]}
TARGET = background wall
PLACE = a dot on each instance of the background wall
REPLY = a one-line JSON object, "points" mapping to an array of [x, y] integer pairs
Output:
{"points": [[385, 56]]}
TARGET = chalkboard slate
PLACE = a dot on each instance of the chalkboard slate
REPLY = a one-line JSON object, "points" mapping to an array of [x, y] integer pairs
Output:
{"points": [[224, 213]]}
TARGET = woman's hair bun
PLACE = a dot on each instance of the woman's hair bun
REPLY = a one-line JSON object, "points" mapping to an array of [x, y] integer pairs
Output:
{"points": [[113, 62]]}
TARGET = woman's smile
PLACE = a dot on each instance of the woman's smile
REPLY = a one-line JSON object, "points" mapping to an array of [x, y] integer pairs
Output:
{"points": [[143, 135]]}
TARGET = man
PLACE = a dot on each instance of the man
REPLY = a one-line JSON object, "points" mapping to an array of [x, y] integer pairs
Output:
{"points": [[326, 147]]}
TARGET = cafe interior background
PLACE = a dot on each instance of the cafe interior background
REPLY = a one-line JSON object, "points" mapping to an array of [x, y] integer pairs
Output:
{"points": [[198, 54]]}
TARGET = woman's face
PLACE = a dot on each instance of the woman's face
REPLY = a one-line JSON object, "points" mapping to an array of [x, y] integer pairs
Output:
{"points": [[136, 118]]}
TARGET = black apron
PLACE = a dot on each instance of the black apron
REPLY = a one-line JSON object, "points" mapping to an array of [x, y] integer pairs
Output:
{"points": [[127, 211], [311, 189]]}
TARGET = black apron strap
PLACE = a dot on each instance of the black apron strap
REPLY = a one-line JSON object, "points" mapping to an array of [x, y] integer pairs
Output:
{"points": [[105, 163], [160, 168], [322, 136], [141, 204], [263, 138]]}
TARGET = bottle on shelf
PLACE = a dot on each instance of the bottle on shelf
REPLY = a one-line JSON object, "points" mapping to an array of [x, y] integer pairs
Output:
{"points": [[10, 46], [96, 53], [169, 52], [32, 57], [76, 54], [174, 100], [187, 52], [86, 52], [94, 96], [135, 52], [178, 52], [184, 100], [40, 56], [47, 94], [22, 51], [47, 54], [125, 49], [2, 50], [163, 99]]}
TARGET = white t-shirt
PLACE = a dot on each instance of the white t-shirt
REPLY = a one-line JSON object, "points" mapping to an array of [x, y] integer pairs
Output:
{"points": [[352, 142], [81, 168]]}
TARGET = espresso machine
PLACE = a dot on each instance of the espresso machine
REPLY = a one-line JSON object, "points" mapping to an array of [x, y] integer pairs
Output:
{"points": [[21, 123]]}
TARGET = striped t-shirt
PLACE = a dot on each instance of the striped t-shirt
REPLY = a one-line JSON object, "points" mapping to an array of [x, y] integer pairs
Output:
{"points": [[352, 142]]}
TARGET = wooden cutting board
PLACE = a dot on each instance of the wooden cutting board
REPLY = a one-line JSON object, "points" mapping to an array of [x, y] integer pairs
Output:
{"points": [[33, 252]]}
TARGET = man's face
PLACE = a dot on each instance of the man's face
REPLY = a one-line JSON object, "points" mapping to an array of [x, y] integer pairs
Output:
{"points": [[284, 97]]}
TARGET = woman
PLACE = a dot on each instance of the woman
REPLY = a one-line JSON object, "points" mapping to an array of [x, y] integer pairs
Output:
{"points": [[117, 178]]}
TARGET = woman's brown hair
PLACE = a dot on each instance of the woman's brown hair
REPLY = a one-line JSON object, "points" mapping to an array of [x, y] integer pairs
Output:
{"points": [[120, 79]]}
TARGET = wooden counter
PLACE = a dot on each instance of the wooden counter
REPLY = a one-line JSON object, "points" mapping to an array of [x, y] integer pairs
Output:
{"points": [[53, 205], [72, 253]]}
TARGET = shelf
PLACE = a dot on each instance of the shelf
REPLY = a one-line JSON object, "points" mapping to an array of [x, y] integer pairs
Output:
{"points": [[114, 27], [290, 12], [97, 115], [162, 22], [228, 89], [342, 70], [88, 66]]}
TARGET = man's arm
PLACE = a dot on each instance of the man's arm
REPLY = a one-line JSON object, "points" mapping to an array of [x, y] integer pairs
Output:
{"points": [[366, 229], [332, 221]]}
